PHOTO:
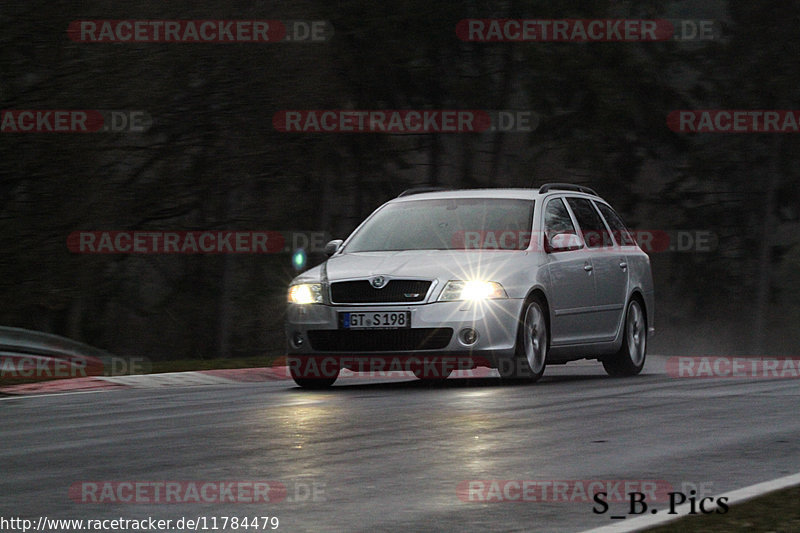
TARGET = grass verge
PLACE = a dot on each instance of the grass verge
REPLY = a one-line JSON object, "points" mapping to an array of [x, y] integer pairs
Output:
{"points": [[777, 512]]}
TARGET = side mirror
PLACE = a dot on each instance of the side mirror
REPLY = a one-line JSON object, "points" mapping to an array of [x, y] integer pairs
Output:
{"points": [[564, 242], [333, 246]]}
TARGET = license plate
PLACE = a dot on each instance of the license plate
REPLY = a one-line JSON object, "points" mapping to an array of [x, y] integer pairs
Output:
{"points": [[375, 320]]}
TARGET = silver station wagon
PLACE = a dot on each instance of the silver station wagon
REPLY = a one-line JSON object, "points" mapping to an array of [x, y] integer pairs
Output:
{"points": [[512, 279]]}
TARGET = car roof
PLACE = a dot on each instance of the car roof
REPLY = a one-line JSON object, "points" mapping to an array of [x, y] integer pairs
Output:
{"points": [[518, 193], [470, 193]]}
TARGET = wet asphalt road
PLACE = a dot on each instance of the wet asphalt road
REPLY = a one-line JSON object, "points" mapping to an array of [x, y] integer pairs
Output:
{"points": [[389, 456]]}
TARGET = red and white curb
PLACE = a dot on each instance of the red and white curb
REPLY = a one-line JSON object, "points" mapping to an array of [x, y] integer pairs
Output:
{"points": [[150, 381], [89, 384]]}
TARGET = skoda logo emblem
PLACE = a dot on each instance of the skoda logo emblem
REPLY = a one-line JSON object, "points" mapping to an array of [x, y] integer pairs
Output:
{"points": [[378, 282]]}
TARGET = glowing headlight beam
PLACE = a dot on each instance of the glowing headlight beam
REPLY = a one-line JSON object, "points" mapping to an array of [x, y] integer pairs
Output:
{"points": [[474, 290], [305, 293]]}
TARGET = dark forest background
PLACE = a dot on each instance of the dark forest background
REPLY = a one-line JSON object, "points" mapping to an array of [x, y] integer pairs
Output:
{"points": [[212, 159]]}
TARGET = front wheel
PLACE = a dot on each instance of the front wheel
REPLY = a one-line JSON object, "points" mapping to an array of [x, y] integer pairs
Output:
{"points": [[531, 351], [629, 360], [310, 376]]}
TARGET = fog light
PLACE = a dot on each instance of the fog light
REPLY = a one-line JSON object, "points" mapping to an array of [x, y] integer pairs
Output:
{"points": [[468, 336], [297, 339]]}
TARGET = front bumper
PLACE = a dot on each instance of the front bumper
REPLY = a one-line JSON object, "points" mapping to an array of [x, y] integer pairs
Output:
{"points": [[434, 330]]}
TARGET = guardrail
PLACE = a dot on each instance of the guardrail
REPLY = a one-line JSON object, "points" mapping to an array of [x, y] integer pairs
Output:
{"points": [[27, 356], [25, 341]]}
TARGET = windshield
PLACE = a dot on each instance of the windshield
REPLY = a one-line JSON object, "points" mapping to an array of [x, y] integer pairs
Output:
{"points": [[447, 224]]}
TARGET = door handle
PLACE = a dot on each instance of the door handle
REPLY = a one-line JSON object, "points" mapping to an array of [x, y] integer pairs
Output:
{"points": [[587, 267], [623, 265]]}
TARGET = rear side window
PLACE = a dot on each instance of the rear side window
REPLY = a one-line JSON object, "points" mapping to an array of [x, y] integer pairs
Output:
{"points": [[556, 219], [618, 228], [594, 231]]}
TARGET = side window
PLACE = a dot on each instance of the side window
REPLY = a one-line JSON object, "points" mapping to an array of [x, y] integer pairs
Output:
{"points": [[594, 231], [618, 228], [556, 219]]}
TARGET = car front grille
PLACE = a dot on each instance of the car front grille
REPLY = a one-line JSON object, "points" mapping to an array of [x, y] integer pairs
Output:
{"points": [[395, 291], [383, 340]]}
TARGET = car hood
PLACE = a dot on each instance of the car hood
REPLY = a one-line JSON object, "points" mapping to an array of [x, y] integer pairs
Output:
{"points": [[424, 264]]}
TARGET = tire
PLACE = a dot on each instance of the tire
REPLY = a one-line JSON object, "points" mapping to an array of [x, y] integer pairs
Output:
{"points": [[629, 360], [530, 354], [310, 380]]}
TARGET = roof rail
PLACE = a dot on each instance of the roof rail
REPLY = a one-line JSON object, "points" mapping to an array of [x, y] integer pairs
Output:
{"points": [[566, 187], [420, 190]]}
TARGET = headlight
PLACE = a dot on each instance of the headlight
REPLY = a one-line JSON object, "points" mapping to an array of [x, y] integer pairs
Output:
{"points": [[305, 293], [472, 290]]}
